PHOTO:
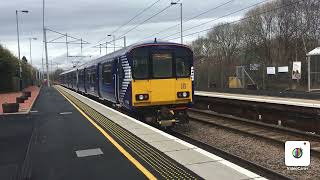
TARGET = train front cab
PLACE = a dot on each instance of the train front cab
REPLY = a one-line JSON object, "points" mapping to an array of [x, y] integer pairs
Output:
{"points": [[162, 85]]}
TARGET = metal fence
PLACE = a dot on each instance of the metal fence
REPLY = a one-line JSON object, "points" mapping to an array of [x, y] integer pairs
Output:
{"points": [[13, 84], [314, 73], [256, 76]]}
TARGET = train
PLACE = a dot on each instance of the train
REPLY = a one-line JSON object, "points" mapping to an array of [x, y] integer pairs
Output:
{"points": [[153, 80]]}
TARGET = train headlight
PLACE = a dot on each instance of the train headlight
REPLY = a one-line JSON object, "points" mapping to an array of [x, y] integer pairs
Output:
{"points": [[142, 97], [183, 94]]}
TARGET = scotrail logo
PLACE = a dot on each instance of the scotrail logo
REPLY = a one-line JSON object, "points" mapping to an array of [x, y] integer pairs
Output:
{"points": [[297, 153]]}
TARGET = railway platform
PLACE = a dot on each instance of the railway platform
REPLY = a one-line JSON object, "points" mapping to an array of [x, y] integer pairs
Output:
{"points": [[74, 137], [297, 113], [309, 103]]}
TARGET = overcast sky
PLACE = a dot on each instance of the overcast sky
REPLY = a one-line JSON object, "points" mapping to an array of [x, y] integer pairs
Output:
{"points": [[92, 20]]}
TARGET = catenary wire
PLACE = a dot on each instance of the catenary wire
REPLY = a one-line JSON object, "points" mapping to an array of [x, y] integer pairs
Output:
{"points": [[154, 15], [194, 17], [137, 15], [270, 10], [224, 16]]}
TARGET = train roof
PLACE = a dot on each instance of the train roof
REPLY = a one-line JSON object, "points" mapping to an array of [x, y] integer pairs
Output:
{"points": [[121, 52]]}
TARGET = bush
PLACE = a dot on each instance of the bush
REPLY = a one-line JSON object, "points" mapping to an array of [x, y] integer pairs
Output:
{"points": [[9, 71]]}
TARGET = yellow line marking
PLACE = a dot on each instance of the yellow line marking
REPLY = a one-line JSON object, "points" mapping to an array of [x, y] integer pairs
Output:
{"points": [[117, 145]]}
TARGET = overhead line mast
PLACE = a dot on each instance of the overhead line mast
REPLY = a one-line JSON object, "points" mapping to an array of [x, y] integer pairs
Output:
{"points": [[45, 45]]}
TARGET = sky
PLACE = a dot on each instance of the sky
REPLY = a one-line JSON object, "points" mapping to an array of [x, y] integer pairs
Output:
{"points": [[93, 20]]}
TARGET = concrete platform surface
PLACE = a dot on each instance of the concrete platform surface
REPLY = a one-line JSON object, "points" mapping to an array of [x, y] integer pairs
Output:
{"points": [[15, 134], [203, 163], [68, 146]]}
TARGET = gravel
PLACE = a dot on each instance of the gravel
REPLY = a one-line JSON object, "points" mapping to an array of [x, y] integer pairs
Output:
{"points": [[254, 149]]}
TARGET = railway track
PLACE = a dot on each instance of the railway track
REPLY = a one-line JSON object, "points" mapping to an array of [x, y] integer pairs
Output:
{"points": [[272, 133], [298, 117], [254, 167]]}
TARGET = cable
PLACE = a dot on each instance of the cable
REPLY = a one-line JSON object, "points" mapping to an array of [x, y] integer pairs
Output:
{"points": [[141, 12], [167, 7], [130, 20], [216, 7], [284, 6], [137, 24], [254, 5], [42, 64], [120, 37]]}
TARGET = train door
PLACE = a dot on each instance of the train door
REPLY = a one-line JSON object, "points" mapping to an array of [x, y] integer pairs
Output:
{"points": [[77, 80], [118, 79], [85, 79], [99, 75], [96, 80], [107, 82], [71, 80]]}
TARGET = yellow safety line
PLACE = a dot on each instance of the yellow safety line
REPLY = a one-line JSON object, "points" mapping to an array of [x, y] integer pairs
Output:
{"points": [[117, 145], [95, 115]]}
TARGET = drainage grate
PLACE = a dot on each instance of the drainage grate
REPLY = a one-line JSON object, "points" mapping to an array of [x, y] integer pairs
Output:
{"points": [[89, 152]]}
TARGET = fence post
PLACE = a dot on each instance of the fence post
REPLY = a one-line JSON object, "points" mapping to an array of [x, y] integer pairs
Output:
{"points": [[309, 80]]}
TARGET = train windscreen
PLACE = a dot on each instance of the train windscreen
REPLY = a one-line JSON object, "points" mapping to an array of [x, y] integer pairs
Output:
{"points": [[156, 63], [182, 62], [162, 65], [140, 63]]}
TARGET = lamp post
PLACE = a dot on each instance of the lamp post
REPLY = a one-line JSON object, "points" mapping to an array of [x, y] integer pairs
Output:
{"points": [[124, 41], [30, 39], [31, 71], [114, 41], [45, 43], [174, 3], [20, 66], [106, 48]]}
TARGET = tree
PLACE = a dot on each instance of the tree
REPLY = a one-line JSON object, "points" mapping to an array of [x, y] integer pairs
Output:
{"points": [[226, 40], [24, 59], [9, 71], [273, 34]]}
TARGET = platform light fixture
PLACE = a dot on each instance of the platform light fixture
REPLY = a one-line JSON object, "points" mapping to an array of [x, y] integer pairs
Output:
{"points": [[175, 3], [20, 66], [30, 39], [114, 41]]}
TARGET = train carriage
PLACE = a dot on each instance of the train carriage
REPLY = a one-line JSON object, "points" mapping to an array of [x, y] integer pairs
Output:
{"points": [[153, 80]]}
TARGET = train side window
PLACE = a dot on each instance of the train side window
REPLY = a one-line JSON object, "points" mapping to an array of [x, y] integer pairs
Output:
{"points": [[81, 76], [93, 80], [74, 77], [107, 74], [89, 77]]}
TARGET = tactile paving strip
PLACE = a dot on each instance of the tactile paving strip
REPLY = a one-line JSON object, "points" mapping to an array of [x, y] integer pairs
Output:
{"points": [[162, 164]]}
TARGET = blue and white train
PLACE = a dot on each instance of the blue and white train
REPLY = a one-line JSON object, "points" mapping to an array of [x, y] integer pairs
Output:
{"points": [[152, 79]]}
